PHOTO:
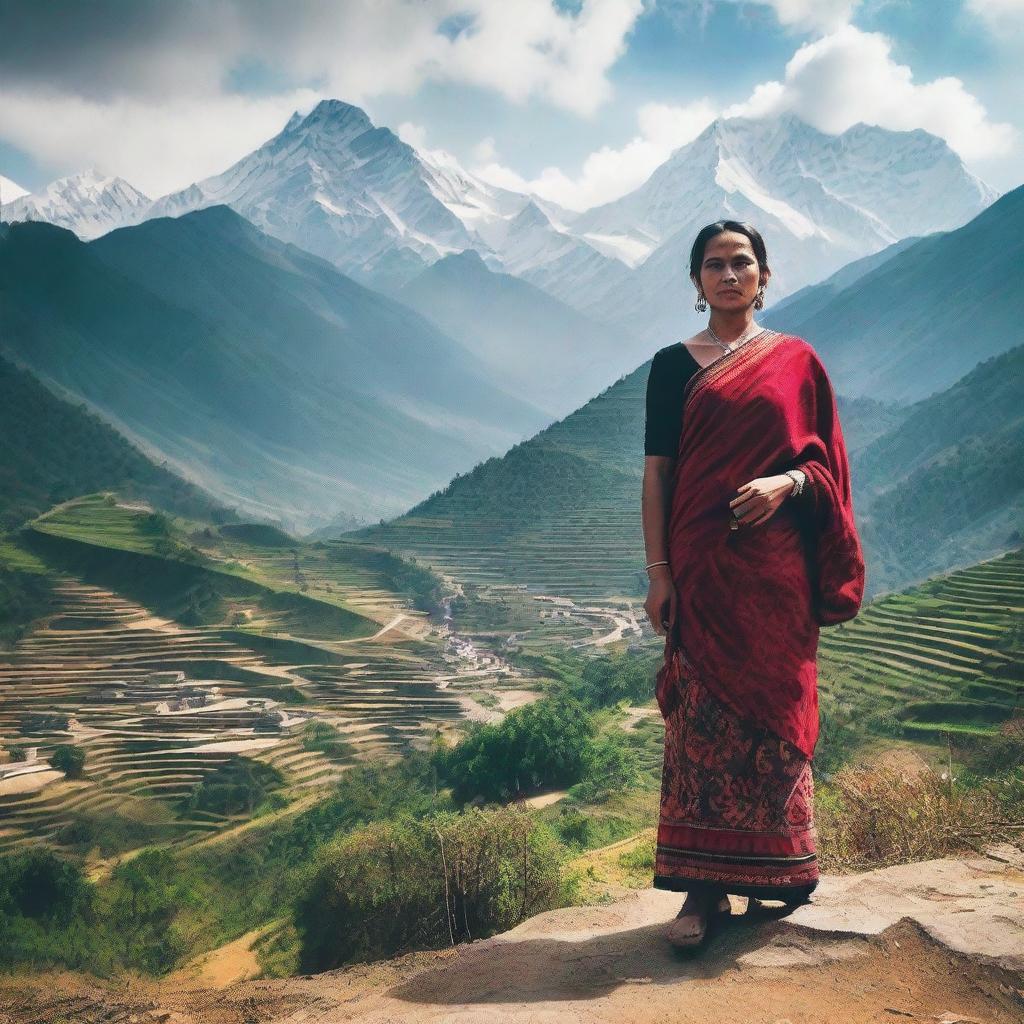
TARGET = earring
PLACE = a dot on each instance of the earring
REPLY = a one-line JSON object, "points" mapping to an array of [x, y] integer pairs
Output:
{"points": [[759, 298], [701, 305]]}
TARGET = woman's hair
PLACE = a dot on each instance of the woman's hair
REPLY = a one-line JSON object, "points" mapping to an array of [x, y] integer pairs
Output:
{"points": [[710, 230]]}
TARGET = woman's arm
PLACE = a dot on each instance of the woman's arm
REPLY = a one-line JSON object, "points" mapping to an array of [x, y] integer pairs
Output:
{"points": [[655, 503]]}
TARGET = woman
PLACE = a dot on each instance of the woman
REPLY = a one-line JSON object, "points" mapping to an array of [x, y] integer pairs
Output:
{"points": [[751, 547]]}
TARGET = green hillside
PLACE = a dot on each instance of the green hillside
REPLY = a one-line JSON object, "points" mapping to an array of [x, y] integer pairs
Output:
{"points": [[947, 487], [295, 660], [54, 450], [150, 558], [559, 513], [920, 320], [287, 389], [945, 656]]}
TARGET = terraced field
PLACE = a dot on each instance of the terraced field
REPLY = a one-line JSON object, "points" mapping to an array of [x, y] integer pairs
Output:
{"points": [[103, 675], [549, 554], [158, 707], [947, 655]]}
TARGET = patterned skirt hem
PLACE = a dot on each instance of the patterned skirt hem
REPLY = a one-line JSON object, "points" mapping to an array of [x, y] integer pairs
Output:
{"points": [[796, 893], [724, 869]]}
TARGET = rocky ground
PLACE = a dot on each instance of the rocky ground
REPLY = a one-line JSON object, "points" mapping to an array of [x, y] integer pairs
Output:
{"points": [[941, 942]]}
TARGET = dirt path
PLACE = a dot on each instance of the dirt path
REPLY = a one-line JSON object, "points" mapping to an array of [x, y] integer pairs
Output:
{"points": [[935, 942]]}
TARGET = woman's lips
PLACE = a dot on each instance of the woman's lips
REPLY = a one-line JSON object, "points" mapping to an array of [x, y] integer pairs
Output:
{"points": [[730, 291]]}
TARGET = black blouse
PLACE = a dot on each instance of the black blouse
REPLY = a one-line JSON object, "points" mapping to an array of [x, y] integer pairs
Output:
{"points": [[671, 368]]}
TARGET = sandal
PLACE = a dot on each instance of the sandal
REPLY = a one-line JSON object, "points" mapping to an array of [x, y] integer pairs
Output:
{"points": [[758, 907], [694, 943]]}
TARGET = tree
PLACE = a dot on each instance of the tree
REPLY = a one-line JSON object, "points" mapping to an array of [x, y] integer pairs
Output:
{"points": [[545, 743], [69, 759]]}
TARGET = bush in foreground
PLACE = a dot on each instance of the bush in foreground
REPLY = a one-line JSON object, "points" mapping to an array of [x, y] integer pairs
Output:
{"points": [[873, 816], [426, 883]]}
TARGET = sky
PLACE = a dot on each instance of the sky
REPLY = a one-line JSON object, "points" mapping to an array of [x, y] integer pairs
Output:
{"points": [[576, 100]]}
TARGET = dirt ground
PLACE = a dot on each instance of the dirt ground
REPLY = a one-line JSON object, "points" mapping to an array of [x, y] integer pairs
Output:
{"points": [[562, 969]]}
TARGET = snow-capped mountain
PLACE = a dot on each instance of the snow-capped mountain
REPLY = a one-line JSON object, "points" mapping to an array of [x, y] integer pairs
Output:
{"points": [[336, 185], [866, 187], [820, 201], [90, 204], [357, 195], [382, 211]]}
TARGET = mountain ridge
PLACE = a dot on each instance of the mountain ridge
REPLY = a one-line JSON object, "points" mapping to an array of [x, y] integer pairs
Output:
{"points": [[237, 362]]}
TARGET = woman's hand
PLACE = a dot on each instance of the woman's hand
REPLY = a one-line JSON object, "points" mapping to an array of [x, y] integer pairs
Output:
{"points": [[661, 601], [757, 500]]}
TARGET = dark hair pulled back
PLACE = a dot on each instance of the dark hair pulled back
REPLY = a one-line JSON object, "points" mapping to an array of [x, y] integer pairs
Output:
{"points": [[710, 230]]}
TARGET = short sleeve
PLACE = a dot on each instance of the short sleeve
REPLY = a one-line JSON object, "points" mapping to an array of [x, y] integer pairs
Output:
{"points": [[664, 405]]}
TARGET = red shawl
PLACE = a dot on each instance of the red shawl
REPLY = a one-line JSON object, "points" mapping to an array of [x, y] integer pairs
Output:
{"points": [[750, 600]]}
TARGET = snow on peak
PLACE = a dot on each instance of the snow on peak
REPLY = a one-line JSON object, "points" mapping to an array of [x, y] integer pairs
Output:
{"points": [[859, 190], [90, 204], [334, 116], [335, 184]]}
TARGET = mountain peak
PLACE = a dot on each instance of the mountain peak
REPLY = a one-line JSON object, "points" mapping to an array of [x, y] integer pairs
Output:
{"points": [[89, 203], [336, 113]]}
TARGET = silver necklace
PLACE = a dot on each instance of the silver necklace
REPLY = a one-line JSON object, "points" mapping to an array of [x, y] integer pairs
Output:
{"points": [[755, 329]]}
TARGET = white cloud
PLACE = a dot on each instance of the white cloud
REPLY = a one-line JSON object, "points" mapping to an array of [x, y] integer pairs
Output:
{"points": [[832, 83], [529, 48], [850, 76], [608, 173], [998, 15], [414, 134], [810, 15], [485, 150], [801, 16]]}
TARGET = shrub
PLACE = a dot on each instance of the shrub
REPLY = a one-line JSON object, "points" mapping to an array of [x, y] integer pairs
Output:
{"points": [[238, 786], [611, 766], [546, 743], [40, 885], [1000, 753], [639, 858], [574, 828], [877, 816], [426, 883], [329, 741], [68, 759], [46, 913], [141, 903]]}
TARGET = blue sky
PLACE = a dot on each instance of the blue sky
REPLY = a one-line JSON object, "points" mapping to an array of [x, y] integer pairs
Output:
{"points": [[577, 101]]}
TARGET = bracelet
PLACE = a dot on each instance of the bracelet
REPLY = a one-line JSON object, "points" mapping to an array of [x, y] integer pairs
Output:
{"points": [[652, 564], [798, 477]]}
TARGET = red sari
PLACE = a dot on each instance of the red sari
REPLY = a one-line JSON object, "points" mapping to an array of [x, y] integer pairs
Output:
{"points": [[738, 688]]}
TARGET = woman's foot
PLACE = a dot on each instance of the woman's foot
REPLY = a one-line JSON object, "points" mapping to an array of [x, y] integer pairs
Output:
{"points": [[690, 928]]}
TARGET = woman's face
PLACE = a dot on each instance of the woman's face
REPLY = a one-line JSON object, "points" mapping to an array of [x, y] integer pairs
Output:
{"points": [[729, 274]]}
